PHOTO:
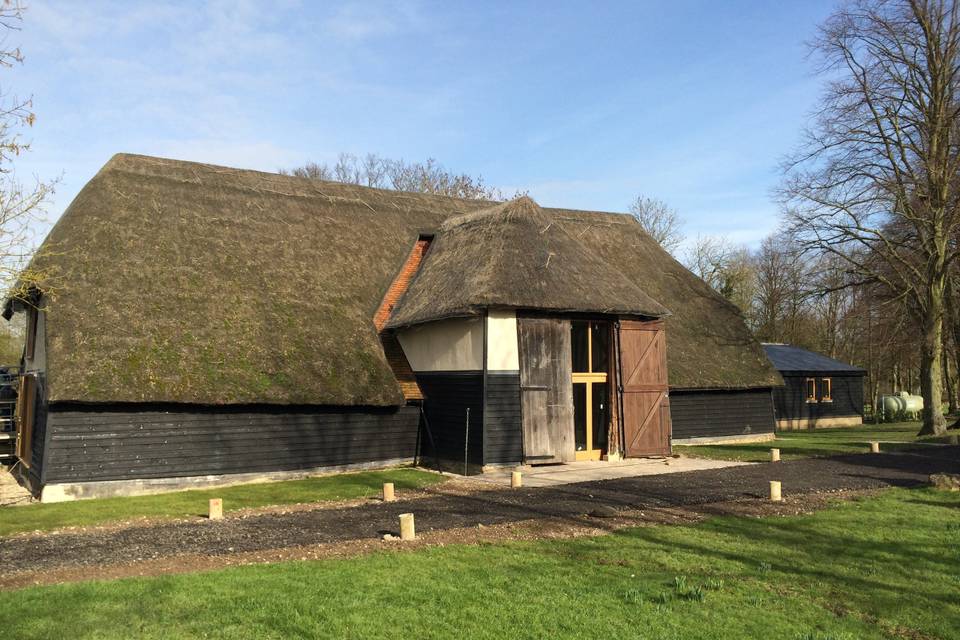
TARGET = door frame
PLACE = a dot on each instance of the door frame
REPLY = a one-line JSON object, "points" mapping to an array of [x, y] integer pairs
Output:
{"points": [[589, 378]]}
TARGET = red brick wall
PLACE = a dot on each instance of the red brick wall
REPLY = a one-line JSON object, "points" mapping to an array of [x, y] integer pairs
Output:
{"points": [[391, 346], [400, 284]]}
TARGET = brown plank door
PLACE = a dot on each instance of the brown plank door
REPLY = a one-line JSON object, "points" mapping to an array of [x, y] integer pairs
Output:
{"points": [[26, 403], [546, 390], [646, 403]]}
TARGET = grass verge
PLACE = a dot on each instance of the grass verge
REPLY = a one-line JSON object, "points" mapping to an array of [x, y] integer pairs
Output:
{"points": [[879, 567], [819, 442], [182, 504]]}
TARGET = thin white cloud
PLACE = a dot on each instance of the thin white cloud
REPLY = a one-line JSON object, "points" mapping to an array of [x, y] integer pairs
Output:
{"points": [[363, 20]]}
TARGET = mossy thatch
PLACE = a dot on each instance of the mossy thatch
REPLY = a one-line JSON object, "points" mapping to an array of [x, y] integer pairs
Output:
{"points": [[184, 282], [515, 255], [708, 343]]}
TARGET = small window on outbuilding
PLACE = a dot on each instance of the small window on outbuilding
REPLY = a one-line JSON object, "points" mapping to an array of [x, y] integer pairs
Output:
{"points": [[811, 387], [826, 390]]}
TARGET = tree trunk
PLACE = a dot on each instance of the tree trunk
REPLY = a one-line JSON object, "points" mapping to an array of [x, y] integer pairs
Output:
{"points": [[949, 381], [931, 370], [953, 319]]}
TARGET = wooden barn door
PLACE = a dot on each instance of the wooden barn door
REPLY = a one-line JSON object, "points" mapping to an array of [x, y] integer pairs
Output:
{"points": [[546, 390], [646, 405], [26, 406]]}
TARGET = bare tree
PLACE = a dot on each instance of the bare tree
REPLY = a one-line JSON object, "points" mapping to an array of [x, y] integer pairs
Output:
{"points": [[661, 221], [781, 305], [383, 173], [724, 266], [21, 205], [875, 184]]}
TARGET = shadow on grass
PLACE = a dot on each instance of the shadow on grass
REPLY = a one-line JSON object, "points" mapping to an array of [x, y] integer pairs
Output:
{"points": [[928, 503], [813, 551]]}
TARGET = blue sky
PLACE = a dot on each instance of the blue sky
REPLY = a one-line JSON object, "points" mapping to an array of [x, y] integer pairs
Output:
{"points": [[584, 105]]}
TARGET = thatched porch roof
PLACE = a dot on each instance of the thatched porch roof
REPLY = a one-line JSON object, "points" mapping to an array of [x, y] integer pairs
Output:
{"points": [[516, 255]]}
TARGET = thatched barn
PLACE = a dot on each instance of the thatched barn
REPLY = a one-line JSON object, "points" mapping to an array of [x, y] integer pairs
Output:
{"points": [[204, 324], [818, 391]]}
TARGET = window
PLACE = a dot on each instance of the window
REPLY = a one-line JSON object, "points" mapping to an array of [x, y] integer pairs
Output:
{"points": [[31, 341], [811, 390], [826, 390], [580, 346], [590, 347]]}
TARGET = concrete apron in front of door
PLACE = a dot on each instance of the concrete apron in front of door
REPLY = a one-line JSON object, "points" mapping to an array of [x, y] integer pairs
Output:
{"points": [[589, 470]]}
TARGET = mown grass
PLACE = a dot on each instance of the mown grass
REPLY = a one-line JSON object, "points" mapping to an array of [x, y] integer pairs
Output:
{"points": [[882, 567], [819, 442], [193, 503]]}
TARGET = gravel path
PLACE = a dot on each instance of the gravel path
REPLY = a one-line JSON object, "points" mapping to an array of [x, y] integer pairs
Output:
{"points": [[262, 532]]}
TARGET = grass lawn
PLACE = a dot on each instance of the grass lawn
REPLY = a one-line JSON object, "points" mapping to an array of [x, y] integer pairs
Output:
{"points": [[805, 444], [880, 567], [191, 503]]}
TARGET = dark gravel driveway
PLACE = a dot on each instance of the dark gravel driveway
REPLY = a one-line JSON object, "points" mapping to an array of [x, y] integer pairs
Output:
{"points": [[281, 530]]}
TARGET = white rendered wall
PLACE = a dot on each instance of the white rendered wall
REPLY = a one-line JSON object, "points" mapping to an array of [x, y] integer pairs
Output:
{"points": [[445, 345], [502, 351]]}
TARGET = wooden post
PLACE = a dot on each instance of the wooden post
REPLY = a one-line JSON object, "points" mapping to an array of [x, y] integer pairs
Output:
{"points": [[216, 509], [407, 530], [466, 442], [774, 455], [516, 480], [874, 447], [775, 495], [388, 495]]}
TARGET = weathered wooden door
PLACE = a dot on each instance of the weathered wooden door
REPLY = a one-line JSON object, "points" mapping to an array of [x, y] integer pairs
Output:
{"points": [[546, 390], [646, 404], [26, 402]]}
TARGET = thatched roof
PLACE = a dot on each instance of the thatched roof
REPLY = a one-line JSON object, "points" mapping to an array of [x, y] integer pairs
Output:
{"points": [[515, 255], [708, 343], [184, 282]]}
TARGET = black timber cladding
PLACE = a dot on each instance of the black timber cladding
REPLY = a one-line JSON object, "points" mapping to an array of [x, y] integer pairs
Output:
{"points": [[35, 473], [98, 442], [702, 414], [503, 431], [790, 401], [448, 395]]}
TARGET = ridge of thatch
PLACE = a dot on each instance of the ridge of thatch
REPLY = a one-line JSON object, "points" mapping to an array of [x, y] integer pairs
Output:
{"points": [[515, 255], [186, 282]]}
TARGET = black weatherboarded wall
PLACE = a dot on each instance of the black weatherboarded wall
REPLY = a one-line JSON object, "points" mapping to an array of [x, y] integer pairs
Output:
{"points": [[711, 414], [90, 443], [503, 433], [38, 439], [846, 390], [448, 395], [495, 434]]}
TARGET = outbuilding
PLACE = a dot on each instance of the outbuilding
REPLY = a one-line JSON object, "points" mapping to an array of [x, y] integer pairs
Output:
{"points": [[818, 391], [202, 324]]}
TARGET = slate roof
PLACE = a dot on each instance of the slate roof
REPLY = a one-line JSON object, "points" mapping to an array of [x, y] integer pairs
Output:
{"points": [[789, 359]]}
